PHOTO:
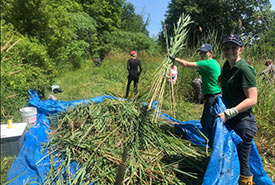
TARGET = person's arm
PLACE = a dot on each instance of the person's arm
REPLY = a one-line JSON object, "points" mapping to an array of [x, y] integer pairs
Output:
{"points": [[251, 99], [266, 70], [140, 68], [128, 65], [187, 64]]}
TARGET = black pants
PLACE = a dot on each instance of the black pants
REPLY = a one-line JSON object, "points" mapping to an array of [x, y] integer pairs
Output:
{"points": [[130, 79], [245, 126]]}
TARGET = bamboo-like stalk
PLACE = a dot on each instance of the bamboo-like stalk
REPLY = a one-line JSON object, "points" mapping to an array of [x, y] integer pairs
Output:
{"points": [[177, 42]]}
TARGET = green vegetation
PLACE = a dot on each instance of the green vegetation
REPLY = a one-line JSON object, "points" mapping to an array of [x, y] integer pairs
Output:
{"points": [[52, 42]]}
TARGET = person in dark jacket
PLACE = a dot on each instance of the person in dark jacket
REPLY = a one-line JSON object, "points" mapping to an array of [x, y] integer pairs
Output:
{"points": [[132, 66]]}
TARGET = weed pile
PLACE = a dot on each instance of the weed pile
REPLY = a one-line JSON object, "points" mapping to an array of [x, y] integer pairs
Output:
{"points": [[116, 142]]}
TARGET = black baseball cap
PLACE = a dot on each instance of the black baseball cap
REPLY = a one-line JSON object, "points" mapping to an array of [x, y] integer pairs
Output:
{"points": [[234, 39], [205, 48]]}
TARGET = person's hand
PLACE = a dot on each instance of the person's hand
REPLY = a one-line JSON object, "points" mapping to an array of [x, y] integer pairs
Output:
{"points": [[259, 74], [222, 116], [228, 113], [171, 57]]}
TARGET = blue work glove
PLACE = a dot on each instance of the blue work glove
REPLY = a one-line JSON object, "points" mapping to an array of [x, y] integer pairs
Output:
{"points": [[171, 57]]}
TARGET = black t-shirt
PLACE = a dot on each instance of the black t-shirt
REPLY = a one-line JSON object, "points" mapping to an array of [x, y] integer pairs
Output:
{"points": [[132, 67]]}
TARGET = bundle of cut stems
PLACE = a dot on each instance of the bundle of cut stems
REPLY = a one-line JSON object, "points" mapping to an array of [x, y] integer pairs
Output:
{"points": [[177, 43], [115, 142]]}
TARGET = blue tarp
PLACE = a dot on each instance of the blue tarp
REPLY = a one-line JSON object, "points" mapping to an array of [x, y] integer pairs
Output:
{"points": [[32, 164]]}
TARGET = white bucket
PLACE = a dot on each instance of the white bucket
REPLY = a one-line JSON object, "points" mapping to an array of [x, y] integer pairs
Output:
{"points": [[29, 115]]}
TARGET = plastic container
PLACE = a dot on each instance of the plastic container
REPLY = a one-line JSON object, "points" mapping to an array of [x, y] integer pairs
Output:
{"points": [[28, 115], [12, 139], [9, 123]]}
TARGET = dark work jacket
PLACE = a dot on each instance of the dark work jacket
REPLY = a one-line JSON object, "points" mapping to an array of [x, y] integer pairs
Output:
{"points": [[132, 67]]}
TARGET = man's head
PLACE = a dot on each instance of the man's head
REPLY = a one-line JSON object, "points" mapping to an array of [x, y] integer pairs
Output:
{"points": [[206, 51], [133, 53]]}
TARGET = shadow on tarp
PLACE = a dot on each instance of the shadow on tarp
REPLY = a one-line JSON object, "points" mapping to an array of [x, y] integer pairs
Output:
{"points": [[32, 164]]}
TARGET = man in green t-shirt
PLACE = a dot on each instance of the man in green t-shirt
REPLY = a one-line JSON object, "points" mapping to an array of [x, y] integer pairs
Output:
{"points": [[210, 71]]}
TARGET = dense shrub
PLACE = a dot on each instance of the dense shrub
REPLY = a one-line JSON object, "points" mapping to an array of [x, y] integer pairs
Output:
{"points": [[85, 30], [76, 52], [24, 65]]}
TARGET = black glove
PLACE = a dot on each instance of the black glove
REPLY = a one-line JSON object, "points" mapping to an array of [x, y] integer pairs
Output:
{"points": [[259, 74], [171, 57]]}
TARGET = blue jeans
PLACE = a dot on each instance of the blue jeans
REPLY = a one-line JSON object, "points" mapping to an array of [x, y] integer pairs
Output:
{"points": [[245, 126]]}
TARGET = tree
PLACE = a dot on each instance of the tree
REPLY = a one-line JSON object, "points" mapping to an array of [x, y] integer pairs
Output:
{"points": [[224, 16], [85, 30], [106, 13], [131, 21], [42, 20]]}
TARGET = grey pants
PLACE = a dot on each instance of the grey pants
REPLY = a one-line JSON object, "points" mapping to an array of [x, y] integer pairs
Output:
{"points": [[196, 83]]}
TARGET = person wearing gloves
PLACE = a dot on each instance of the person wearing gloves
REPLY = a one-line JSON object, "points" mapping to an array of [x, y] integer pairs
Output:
{"points": [[238, 83], [210, 71], [133, 73]]}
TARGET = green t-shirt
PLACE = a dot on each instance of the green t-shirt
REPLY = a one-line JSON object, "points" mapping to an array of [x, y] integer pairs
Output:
{"points": [[234, 80], [210, 71]]}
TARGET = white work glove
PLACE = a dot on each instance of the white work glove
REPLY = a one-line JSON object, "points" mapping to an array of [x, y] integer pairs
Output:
{"points": [[230, 113]]}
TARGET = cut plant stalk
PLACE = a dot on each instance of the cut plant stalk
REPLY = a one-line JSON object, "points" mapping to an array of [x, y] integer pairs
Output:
{"points": [[177, 42], [105, 130]]}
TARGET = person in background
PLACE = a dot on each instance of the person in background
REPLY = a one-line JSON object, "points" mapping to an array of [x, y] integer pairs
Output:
{"points": [[210, 71], [270, 69], [172, 76], [238, 83], [133, 72], [196, 84]]}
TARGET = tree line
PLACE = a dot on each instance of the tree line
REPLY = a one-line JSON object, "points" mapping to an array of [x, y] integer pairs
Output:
{"points": [[253, 20], [39, 35]]}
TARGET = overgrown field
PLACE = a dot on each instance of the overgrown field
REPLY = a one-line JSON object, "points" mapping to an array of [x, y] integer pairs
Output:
{"points": [[111, 78]]}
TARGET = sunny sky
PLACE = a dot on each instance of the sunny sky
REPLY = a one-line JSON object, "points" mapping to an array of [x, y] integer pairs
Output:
{"points": [[157, 9]]}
